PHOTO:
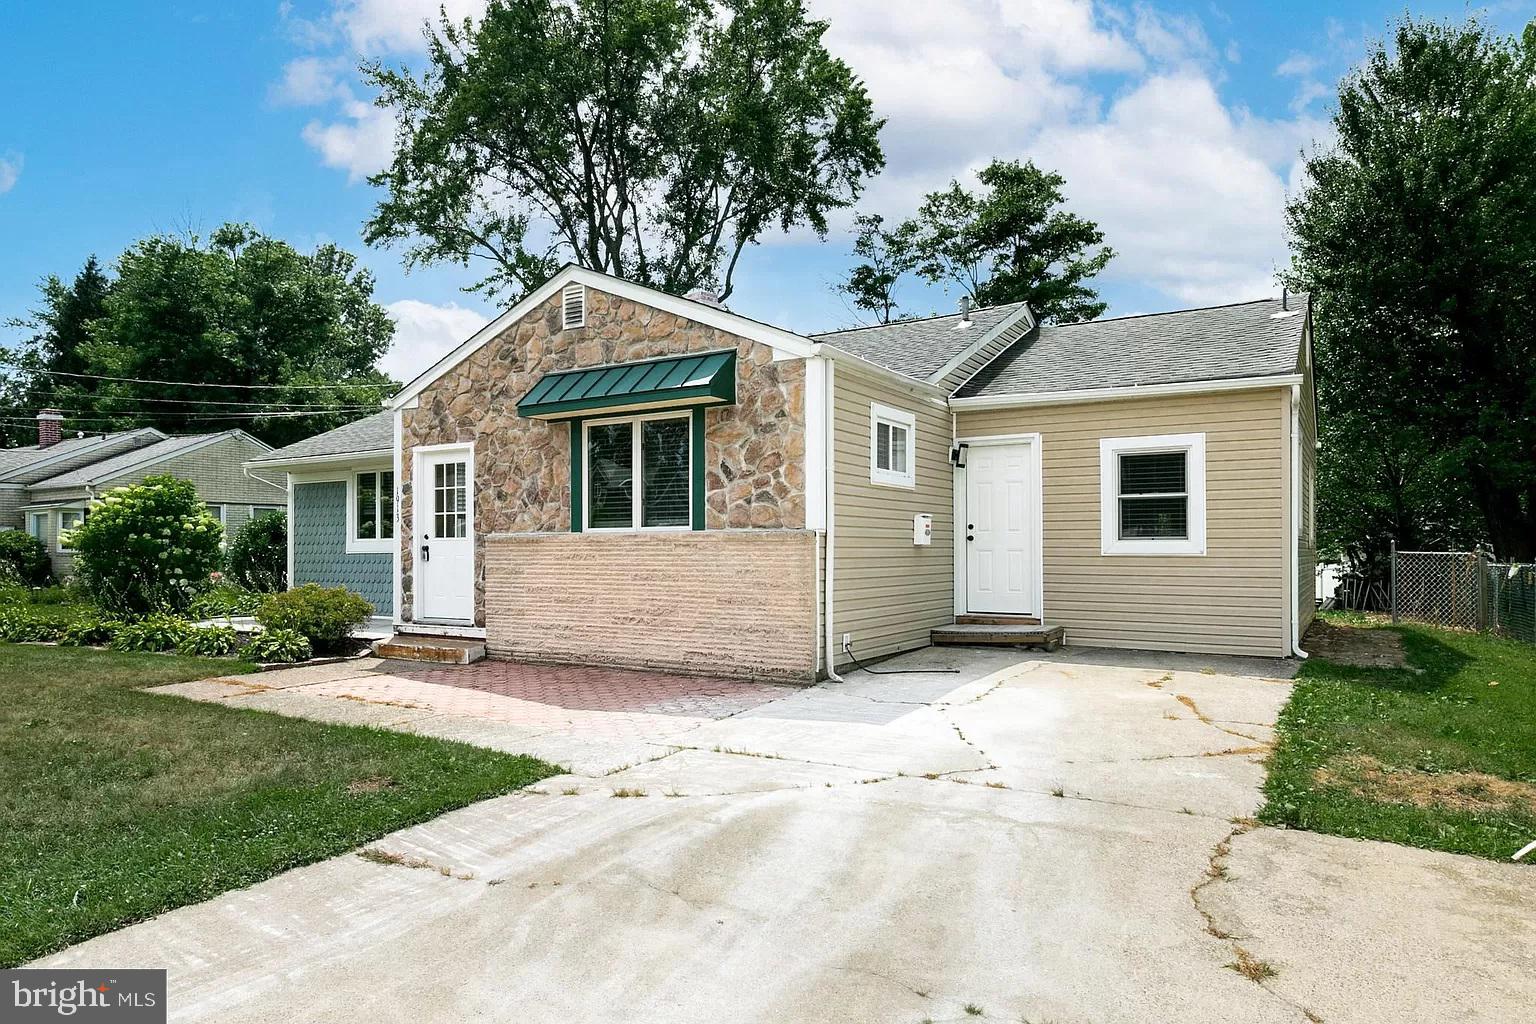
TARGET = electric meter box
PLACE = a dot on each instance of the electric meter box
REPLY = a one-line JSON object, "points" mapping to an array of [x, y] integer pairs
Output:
{"points": [[922, 529]]}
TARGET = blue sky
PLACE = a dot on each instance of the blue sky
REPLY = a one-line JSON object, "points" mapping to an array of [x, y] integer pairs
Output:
{"points": [[1176, 124]]}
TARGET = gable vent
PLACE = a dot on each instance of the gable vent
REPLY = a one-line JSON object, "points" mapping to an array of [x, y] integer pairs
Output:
{"points": [[573, 306]]}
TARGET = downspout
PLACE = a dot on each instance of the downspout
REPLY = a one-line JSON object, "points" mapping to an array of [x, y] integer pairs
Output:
{"points": [[1294, 588], [830, 547]]}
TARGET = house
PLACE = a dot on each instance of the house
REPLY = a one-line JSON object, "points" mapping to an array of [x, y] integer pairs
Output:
{"points": [[613, 475], [46, 488]]}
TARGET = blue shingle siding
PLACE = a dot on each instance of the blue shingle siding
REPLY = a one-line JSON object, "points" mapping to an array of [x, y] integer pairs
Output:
{"points": [[320, 547]]}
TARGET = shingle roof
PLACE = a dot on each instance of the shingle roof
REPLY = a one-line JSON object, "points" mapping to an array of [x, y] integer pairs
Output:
{"points": [[106, 469], [918, 348], [1247, 339], [369, 434], [30, 463]]}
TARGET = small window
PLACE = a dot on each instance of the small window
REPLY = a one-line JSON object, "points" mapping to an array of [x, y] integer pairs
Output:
{"points": [[657, 497], [1153, 494], [68, 519], [262, 510], [373, 508], [37, 526], [892, 450], [573, 306], [217, 511]]}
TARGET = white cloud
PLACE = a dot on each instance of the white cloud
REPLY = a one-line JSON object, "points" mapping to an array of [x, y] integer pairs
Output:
{"points": [[361, 145], [395, 26], [309, 81], [10, 171], [424, 333]]}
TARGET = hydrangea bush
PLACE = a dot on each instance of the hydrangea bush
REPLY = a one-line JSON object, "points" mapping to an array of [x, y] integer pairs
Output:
{"points": [[148, 547]]}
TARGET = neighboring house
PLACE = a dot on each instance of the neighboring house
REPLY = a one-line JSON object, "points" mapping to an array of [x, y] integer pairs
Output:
{"points": [[610, 474], [47, 488]]}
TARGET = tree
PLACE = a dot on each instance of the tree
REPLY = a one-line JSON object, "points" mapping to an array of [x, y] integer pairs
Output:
{"points": [[59, 332], [887, 256], [1009, 243], [651, 139], [290, 337], [1416, 236], [258, 556]]}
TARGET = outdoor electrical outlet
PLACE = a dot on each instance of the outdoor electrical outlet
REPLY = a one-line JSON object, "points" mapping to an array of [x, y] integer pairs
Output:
{"points": [[847, 640]]}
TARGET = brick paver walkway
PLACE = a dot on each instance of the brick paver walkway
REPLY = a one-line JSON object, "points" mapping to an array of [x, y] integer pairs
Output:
{"points": [[590, 688]]}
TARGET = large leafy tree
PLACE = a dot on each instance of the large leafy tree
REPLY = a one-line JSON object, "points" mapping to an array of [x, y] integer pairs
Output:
{"points": [[290, 337], [652, 139], [58, 330], [1011, 241], [1417, 237]]}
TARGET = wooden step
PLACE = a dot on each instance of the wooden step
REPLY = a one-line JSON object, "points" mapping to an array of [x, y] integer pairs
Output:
{"points": [[973, 633], [995, 619], [443, 650]]}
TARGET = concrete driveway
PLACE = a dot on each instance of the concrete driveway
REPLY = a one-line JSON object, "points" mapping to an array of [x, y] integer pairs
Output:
{"points": [[1022, 840]]}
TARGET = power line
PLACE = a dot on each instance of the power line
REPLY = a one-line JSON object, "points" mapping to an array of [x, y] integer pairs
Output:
{"points": [[98, 397], [197, 384]]}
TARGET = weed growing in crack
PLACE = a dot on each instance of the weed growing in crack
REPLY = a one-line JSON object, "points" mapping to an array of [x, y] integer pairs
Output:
{"points": [[624, 792], [972, 1010], [997, 785], [1058, 791], [1250, 967], [570, 791]]}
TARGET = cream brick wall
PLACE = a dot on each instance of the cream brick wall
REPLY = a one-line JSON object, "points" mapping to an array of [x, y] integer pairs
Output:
{"points": [[737, 603]]}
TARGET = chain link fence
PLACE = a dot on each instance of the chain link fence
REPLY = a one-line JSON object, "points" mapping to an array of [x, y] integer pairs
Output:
{"points": [[1464, 590]]}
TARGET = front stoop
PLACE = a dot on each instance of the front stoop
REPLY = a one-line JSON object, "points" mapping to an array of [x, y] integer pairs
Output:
{"points": [[1010, 634], [443, 650]]}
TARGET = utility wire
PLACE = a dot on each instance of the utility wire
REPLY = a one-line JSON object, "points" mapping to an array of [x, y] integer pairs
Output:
{"points": [[99, 397], [196, 384]]}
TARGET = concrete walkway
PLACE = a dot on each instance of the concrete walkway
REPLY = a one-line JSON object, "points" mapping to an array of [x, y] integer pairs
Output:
{"points": [[1059, 839]]}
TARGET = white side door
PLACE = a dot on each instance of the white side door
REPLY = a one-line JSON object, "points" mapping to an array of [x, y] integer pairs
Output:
{"points": [[445, 536], [1000, 567]]}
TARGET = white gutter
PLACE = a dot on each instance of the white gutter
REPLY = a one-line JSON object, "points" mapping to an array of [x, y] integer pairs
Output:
{"points": [[830, 547], [1294, 587], [320, 460], [1196, 387]]}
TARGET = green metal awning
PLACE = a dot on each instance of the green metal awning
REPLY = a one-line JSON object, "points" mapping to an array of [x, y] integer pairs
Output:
{"points": [[704, 378]]}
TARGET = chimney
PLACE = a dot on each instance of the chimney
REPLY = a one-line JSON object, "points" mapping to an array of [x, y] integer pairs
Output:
{"points": [[50, 427], [965, 309]]}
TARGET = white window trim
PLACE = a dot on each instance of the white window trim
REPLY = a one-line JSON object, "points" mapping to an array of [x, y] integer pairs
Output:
{"points": [[58, 534], [638, 497], [251, 513], [1110, 450], [579, 293], [367, 545], [898, 418], [42, 519]]}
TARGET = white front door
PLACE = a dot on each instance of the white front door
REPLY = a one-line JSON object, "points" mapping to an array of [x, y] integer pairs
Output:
{"points": [[1000, 569], [445, 536]]}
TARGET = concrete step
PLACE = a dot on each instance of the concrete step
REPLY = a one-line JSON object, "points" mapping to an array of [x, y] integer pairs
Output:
{"points": [[444, 650], [972, 633], [995, 619]]}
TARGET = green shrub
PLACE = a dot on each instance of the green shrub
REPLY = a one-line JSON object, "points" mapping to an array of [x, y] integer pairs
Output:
{"points": [[89, 631], [56, 594], [147, 548], [151, 633], [258, 556], [18, 625], [24, 558], [210, 642], [224, 600], [325, 616], [274, 645]]}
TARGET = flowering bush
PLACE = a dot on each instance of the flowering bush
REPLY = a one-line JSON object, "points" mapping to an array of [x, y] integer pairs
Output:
{"points": [[147, 548], [273, 645], [258, 556]]}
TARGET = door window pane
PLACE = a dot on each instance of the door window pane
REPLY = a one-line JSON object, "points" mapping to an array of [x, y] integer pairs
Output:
{"points": [[664, 456], [610, 476], [450, 500]]}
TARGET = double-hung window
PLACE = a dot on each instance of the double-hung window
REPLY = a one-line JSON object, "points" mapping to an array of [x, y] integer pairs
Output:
{"points": [[639, 473], [892, 446], [69, 518], [371, 511], [1152, 492]]}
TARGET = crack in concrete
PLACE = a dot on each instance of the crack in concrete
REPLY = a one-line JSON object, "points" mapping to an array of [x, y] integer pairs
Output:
{"points": [[1189, 702], [1243, 962]]}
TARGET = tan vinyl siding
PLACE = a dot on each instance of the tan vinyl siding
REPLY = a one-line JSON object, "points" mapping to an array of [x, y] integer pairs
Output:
{"points": [[888, 592], [1233, 599], [984, 355], [11, 500], [1306, 538]]}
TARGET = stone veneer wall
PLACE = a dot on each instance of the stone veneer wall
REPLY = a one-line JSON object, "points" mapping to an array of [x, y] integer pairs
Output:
{"points": [[673, 601], [755, 449]]}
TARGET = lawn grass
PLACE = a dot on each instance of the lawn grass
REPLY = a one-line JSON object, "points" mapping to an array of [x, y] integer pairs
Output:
{"points": [[118, 804], [1435, 755]]}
